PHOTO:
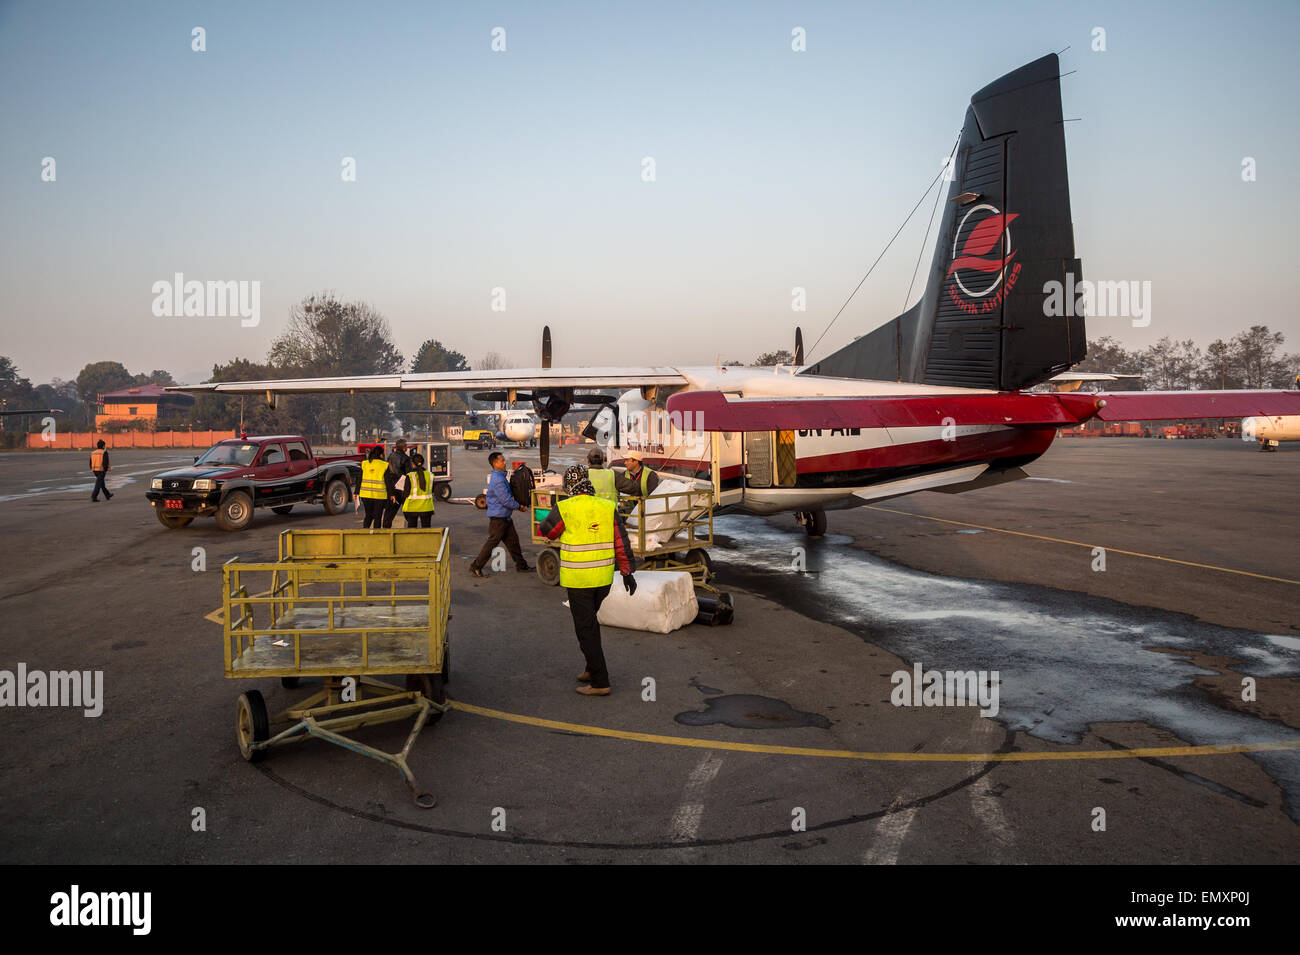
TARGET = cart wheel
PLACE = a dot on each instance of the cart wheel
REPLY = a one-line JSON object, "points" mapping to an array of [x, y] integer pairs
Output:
{"points": [[251, 725], [432, 686], [698, 555], [481, 502], [289, 682], [442, 492], [548, 567]]}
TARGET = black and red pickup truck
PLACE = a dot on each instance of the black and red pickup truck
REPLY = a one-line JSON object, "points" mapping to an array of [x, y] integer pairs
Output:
{"points": [[233, 477]]}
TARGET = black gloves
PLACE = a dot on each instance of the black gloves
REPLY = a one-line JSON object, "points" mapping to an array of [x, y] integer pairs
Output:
{"points": [[629, 584]]}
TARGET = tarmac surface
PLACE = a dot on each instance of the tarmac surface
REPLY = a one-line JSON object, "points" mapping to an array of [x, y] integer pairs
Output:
{"points": [[782, 718]]}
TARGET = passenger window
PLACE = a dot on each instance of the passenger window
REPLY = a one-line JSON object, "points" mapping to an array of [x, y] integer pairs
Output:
{"points": [[297, 451], [272, 455]]}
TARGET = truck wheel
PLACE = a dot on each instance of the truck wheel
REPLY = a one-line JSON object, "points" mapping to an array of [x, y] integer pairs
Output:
{"points": [[173, 521], [251, 725], [235, 512], [442, 492], [336, 497], [548, 567], [282, 509]]}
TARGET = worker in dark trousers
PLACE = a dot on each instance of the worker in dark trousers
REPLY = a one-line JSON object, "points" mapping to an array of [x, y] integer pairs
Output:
{"points": [[399, 465], [99, 466], [417, 509], [501, 506], [373, 492], [592, 542]]}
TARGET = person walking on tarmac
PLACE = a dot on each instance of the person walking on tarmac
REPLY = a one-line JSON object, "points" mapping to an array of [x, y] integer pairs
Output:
{"points": [[399, 465], [417, 509], [601, 477], [638, 481], [592, 542], [501, 506], [99, 467], [374, 494]]}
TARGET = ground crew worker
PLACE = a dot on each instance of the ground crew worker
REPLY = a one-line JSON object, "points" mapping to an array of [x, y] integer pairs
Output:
{"points": [[374, 487], [601, 477], [399, 465], [501, 506], [417, 509], [99, 467], [639, 481], [592, 542]]}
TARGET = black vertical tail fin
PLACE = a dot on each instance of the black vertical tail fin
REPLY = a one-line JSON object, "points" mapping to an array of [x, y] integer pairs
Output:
{"points": [[1005, 233]]}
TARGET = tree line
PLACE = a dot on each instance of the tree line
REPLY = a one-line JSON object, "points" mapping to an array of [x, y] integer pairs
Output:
{"points": [[325, 336]]}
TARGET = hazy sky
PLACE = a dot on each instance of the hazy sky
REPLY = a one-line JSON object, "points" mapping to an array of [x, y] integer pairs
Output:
{"points": [[523, 169]]}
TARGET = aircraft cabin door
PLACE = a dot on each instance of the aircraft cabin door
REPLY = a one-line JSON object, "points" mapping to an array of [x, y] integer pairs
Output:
{"points": [[727, 449], [758, 458]]}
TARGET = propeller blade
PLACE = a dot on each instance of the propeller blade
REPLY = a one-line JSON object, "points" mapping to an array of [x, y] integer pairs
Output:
{"points": [[600, 400], [491, 396], [544, 444], [546, 351], [798, 345]]}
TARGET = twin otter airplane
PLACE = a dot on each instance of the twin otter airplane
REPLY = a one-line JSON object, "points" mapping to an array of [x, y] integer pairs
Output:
{"points": [[935, 399]]}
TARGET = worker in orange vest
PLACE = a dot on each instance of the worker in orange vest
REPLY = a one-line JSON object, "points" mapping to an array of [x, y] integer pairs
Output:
{"points": [[99, 467]]}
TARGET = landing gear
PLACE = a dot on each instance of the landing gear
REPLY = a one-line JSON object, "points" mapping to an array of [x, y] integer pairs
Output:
{"points": [[814, 522], [1265, 445]]}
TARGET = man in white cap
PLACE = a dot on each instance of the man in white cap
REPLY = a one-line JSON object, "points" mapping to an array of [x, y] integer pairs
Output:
{"points": [[639, 481]]}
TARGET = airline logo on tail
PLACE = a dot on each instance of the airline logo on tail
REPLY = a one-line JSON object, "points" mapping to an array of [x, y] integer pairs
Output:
{"points": [[981, 247]]}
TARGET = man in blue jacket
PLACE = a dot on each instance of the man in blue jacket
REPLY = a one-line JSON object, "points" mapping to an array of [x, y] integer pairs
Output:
{"points": [[501, 505]]}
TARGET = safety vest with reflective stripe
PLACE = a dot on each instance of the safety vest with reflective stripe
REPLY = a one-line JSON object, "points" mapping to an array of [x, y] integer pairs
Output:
{"points": [[97, 459], [416, 499], [587, 544], [372, 479], [644, 477], [602, 479]]}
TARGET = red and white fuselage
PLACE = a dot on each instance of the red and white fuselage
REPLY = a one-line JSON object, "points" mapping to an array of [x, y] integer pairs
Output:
{"points": [[821, 468]]}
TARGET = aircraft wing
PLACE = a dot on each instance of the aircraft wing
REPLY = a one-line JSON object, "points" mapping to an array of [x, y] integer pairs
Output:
{"points": [[495, 380], [1168, 405], [714, 411]]}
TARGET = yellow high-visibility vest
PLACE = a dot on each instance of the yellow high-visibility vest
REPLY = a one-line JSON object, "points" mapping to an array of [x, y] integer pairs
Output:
{"points": [[602, 479], [372, 479], [97, 459], [587, 544], [417, 500]]}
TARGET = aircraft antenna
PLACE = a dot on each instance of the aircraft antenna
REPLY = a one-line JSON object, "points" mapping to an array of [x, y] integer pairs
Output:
{"points": [[881, 255]]}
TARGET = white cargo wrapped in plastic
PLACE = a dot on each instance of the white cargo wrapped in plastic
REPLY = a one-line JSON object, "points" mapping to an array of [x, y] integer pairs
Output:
{"points": [[661, 523], [663, 602]]}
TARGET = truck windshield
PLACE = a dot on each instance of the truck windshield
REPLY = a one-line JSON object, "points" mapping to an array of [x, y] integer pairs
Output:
{"points": [[241, 454]]}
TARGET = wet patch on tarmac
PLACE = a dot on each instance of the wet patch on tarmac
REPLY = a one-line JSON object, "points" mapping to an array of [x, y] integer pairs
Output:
{"points": [[748, 711], [1066, 659]]}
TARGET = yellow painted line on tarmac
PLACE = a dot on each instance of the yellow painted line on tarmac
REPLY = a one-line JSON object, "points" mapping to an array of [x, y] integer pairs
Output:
{"points": [[1109, 550], [1149, 751]]}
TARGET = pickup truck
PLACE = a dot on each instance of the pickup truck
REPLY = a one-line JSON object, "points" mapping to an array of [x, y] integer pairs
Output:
{"points": [[233, 477]]}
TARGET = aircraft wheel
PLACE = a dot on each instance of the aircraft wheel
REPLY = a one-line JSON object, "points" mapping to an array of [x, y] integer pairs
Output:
{"points": [[814, 523]]}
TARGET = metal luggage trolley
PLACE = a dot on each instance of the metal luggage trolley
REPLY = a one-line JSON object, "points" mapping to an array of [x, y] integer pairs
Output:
{"points": [[346, 606], [687, 522]]}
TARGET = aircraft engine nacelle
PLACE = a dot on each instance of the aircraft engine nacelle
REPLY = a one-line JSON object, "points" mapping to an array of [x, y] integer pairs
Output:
{"points": [[1271, 429]]}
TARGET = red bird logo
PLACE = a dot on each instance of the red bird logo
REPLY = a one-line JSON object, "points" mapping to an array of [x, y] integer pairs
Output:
{"points": [[981, 241]]}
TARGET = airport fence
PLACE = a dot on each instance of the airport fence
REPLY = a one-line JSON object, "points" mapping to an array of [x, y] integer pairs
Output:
{"points": [[84, 440]]}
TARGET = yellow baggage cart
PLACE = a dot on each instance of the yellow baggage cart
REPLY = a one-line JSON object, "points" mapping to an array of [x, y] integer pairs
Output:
{"points": [[348, 607]]}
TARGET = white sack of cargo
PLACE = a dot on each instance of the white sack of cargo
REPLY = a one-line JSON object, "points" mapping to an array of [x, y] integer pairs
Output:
{"points": [[663, 515], [664, 601]]}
